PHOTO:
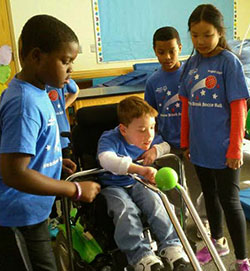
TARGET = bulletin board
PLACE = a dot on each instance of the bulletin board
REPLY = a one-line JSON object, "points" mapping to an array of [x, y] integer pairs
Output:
{"points": [[124, 29]]}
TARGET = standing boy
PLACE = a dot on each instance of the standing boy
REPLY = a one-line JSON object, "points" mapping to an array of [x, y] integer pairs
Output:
{"points": [[162, 93], [30, 147]]}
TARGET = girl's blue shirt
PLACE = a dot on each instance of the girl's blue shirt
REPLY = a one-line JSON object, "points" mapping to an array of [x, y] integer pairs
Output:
{"points": [[211, 84]]}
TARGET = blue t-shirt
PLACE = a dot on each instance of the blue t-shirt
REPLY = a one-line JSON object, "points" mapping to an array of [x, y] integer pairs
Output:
{"points": [[28, 125], [211, 84], [113, 141], [57, 97], [162, 94]]}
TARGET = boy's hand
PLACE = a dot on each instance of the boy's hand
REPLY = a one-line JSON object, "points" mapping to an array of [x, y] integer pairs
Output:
{"points": [[149, 173], [89, 190], [234, 163], [68, 166], [149, 156], [186, 154]]}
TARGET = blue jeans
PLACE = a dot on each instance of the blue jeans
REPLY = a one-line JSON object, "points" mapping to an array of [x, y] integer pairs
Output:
{"points": [[126, 205]]}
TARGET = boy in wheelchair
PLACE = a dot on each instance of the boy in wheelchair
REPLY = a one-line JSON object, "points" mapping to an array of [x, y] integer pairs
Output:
{"points": [[127, 199]]}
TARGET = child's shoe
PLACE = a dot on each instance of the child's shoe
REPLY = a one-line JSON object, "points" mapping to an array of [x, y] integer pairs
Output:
{"points": [[53, 230], [221, 246], [207, 228], [242, 265], [176, 258], [149, 263]]}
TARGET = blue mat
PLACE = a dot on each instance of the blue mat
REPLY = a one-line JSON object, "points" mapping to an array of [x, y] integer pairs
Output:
{"points": [[245, 202]]}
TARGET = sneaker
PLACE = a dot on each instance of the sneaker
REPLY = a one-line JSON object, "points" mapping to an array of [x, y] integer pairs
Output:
{"points": [[207, 228], [242, 265], [221, 246], [149, 263], [176, 258], [53, 229]]}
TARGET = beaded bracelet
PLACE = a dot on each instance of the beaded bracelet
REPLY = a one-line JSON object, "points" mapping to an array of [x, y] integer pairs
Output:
{"points": [[78, 191]]}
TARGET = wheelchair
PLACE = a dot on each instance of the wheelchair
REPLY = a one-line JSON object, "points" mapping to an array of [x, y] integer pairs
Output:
{"points": [[91, 122], [93, 219]]}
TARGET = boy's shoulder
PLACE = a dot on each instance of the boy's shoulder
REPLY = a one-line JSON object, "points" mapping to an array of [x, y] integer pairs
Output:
{"points": [[156, 74], [112, 134]]}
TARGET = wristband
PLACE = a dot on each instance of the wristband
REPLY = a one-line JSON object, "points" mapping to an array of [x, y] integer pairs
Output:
{"points": [[78, 191]]}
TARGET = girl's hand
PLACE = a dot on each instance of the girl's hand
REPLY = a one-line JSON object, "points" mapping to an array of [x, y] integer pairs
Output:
{"points": [[149, 173], [186, 154], [234, 163], [149, 156]]}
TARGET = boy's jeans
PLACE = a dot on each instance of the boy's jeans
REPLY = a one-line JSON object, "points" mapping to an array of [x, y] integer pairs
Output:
{"points": [[126, 205], [31, 243]]}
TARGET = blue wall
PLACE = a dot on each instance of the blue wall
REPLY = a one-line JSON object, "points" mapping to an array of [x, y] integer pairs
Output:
{"points": [[127, 26]]}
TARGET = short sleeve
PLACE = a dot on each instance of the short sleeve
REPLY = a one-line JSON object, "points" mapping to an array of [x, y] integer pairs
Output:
{"points": [[235, 82], [71, 87], [19, 134]]}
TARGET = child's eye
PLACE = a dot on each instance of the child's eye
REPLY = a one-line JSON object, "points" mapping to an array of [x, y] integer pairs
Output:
{"points": [[161, 52]]}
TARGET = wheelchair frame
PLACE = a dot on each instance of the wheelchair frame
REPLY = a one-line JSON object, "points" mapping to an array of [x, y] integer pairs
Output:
{"points": [[186, 202]]}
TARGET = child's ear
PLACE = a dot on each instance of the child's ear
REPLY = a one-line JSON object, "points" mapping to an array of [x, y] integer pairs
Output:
{"points": [[36, 54], [180, 48], [122, 129]]}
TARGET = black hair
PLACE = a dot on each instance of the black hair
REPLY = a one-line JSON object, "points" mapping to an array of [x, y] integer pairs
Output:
{"points": [[166, 33], [45, 32], [211, 15]]}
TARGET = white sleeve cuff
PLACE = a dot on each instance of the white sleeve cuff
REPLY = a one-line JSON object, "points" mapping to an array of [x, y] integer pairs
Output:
{"points": [[161, 149], [113, 163]]}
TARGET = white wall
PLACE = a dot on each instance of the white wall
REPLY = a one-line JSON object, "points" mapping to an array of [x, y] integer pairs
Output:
{"points": [[78, 15], [243, 18]]}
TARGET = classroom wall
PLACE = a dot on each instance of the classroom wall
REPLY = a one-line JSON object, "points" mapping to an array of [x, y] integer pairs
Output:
{"points": [[243, 18], [78, 14]]}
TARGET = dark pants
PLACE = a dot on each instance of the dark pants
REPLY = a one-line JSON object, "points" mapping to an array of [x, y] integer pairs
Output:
{"points": [[221, 192], [26, 248]]}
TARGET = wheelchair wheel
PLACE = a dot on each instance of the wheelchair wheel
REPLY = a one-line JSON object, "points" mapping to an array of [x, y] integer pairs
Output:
{"points": [[62, 256]]}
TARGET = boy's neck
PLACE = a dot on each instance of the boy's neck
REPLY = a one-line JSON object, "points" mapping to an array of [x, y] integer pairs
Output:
{"points": [[29, 77], [175, 68]]}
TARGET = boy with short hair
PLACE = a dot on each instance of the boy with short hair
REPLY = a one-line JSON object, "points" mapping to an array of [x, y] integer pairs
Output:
{"points": [[31, 159], [162, 86], [127, 199], [162, 94]]}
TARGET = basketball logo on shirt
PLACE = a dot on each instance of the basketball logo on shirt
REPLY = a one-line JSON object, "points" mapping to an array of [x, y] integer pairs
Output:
{"points": [[210, 82], [53, 95]]}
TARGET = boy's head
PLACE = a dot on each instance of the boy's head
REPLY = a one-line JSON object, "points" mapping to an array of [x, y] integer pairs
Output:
{"points": [[137, 121], [47, 48], [167, 46]]}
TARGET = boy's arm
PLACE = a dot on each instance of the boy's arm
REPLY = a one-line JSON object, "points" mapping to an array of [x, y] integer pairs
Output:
{"points": [[124, 165], [71, 97], [72, 91], [16, 174]]}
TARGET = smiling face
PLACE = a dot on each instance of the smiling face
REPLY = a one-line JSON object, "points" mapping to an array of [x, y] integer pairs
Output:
{"points": [[167, 53], [205, 38], [140, 132]]}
